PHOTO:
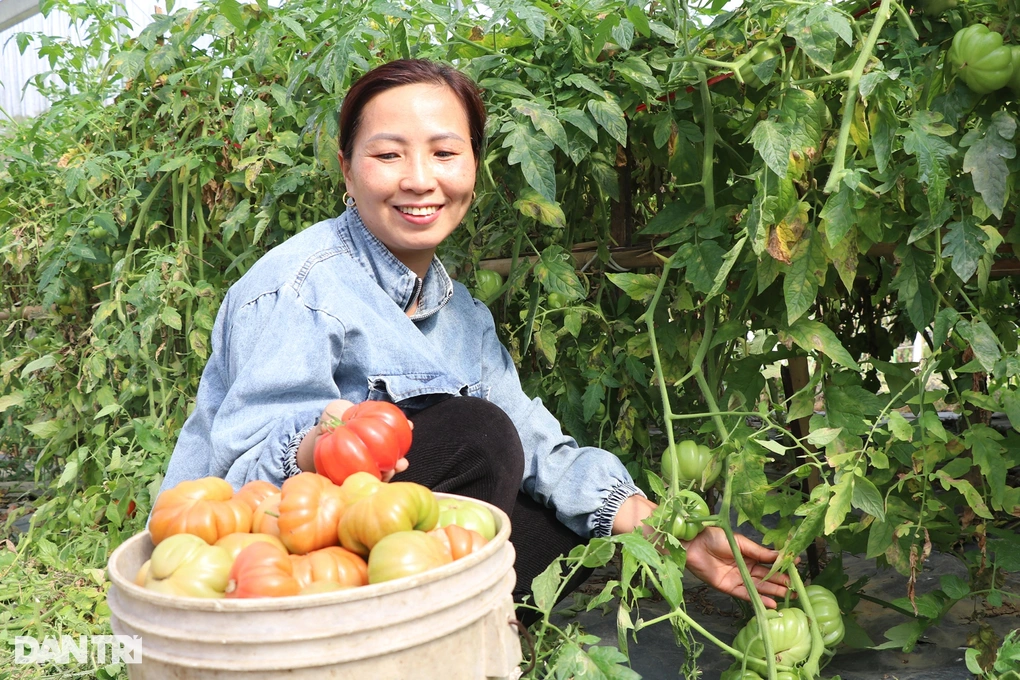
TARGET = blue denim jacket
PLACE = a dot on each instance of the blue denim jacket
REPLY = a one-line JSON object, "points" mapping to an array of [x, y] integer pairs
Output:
{"points": [[322, 317]]}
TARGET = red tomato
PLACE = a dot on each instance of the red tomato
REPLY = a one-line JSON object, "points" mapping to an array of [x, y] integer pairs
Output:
{"points": [[372, 437]]}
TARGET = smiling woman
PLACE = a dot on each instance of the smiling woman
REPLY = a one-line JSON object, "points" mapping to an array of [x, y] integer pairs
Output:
{"points": [[359, 308]]}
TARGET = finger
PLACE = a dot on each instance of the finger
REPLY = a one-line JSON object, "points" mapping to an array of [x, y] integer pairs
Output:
{"points": [[401, 465], [760, 571], [741, 593], [754, 552]]}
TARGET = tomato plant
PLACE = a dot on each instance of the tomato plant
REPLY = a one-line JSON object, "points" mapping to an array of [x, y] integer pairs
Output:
{"points": [[690, 509]]}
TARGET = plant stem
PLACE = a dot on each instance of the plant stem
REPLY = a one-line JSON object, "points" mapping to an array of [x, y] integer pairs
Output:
{"points": [[708, 160], [839, 163], [745, 574], [817, 643]]}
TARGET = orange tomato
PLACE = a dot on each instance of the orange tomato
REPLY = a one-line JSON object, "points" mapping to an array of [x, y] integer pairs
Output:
{"points": [[267, 516], [330, 564], [262, 570], [203, 507], [310, 510], [255, 492], [458, 540]]}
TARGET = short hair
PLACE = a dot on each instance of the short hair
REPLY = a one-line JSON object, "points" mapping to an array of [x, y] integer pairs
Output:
{"points": [[410, 72]]}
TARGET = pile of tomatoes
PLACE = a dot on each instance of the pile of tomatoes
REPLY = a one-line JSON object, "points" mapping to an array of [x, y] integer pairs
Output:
{"points": [[309, 536]]}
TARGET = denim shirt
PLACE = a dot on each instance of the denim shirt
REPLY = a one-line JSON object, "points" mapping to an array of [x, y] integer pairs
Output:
{"points": [[322, 317]]}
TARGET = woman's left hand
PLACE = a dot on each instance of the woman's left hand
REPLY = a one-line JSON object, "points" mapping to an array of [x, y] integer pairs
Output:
{"points": [[710, 559]]}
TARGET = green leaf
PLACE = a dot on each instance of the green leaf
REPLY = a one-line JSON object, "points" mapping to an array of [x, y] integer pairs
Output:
{"points": [[804, 276], [231, 9], [635, 69], [923, 141], [823, 436], [538, 207], [703, 260], [970, 494], [42, 363], [638, 287], [899, 427], [722, 275], [867, 498], [507, 87], [599, 552], [639, 548], [839, 506], [964, 242], [985, 159], [945, 322], [555, 272], [989, 455], [772, 144], [747, 476], [904, 636], [1010, 404], [545, 585], [543, 119], [982, 341], [171, 317], [813, 335], [581, 120], [954, 586], [838, 216], [671, 218], [594, 393], [913, 282], [623, 33], [815, 29], [9, 400], [70, 469], [610, 116], [585, 83], [531, 152], [880, 537], [45, 429]]}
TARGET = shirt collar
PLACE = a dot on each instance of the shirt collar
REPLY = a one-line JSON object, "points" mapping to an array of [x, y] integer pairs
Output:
{"points": [[392, 275]]}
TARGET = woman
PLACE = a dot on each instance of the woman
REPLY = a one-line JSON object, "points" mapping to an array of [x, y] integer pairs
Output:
{"points": [[358, 307]]}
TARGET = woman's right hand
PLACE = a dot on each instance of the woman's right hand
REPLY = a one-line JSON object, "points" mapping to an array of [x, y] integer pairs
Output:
{"points": [[334, 411]]}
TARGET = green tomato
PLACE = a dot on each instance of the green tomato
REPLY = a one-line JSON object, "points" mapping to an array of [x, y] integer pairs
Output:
{"points": [[405, 553], [790, 633], [691, 508], [468, 515], [827, 614], [982, 61], [558, 300], [933, 8], [487, 284], [1014, 81], [759, 54], [734, 673], [694, 463]]}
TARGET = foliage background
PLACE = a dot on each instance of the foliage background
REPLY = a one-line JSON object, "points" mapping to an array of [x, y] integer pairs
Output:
{"points": [[826, 199]]}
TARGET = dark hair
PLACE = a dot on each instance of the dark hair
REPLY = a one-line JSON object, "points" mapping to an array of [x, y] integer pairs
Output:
{"points": [[410, 72]]}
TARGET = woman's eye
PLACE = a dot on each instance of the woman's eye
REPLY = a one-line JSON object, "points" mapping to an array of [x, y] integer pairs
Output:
{"points": [[388, 156], [445, 154]]}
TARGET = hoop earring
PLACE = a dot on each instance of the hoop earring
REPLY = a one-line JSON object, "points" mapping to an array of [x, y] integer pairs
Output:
{"points": [[474, 195], [348, 201]]}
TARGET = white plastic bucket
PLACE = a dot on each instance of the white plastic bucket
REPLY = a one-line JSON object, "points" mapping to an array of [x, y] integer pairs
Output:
{"points": [[447, 623]]}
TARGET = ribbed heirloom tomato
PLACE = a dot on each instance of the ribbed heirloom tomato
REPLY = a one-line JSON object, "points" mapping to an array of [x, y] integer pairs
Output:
{"points": [[371, 437], [982, 61], [827, 614], [204, 507], [405, 553], [694, 463], [254, 492], [261, 570], [235, 543], [187, 566], [333, 564], [460, 542], [790, 633], [466, 514], [397, 506], [310, 509]]}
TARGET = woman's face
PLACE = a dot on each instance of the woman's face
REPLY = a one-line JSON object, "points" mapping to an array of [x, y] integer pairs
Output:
{"points": [[412, 172]]}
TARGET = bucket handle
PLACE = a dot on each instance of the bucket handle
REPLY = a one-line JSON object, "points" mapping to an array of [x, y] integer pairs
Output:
{"points": [[523, 630]]}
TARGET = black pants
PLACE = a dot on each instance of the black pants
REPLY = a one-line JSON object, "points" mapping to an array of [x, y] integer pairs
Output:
{"points": [[470, 447]]}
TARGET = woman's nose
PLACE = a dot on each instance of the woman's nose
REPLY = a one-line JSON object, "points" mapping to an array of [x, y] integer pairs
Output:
{"points": [[419, 176]]}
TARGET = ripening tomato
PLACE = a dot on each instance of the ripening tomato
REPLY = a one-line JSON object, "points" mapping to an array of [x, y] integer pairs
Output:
{"points": [[459, 541], [397, 506], [372, 437], [235, 543], [405, 553], [254, 492], [310, 510], [790, 633], [203, 507], [262, 570], [466, 514], [185, 565], [334, 564], [266, 519]]}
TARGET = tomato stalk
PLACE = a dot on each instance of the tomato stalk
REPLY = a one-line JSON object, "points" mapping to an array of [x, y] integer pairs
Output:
{"points": [[817, 643], [839, 164], [745, 574]]}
